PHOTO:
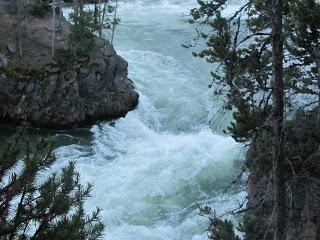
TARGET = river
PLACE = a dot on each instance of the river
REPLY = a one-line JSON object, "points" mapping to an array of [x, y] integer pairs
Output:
{"points": [[150, 168]]}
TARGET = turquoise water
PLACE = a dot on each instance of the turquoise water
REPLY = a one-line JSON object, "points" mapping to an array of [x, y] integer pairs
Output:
{"points": [[150, 168]]}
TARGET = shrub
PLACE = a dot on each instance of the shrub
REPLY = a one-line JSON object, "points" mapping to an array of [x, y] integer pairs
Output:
{"points": [[82, 28], [21, 72], [12, 8], [63, 57], [40, 9], [219, 229], [48, 209]]}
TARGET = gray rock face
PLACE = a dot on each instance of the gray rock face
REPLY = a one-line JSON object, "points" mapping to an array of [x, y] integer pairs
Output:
{"points": [[3, 60], [302, 181], [303, 203], [11, 47], [90, 89]]}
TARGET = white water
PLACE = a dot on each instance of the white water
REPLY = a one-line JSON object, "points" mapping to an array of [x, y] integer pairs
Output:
{"points": [[151, 168]]}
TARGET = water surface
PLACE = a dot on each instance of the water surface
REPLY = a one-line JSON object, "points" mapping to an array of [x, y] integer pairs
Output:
{"points": [[150, 168]]}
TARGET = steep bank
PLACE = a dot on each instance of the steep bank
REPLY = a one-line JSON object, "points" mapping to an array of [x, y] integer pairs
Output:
{"points": [[302, 182], [67, 91]]}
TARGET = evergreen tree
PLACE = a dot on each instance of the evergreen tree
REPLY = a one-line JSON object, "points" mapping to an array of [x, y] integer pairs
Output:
{"points": [[219, 229], [265, 52], [303, 49], [35, 207], [86, 23], [278, 157], [109, 19], [240, 47], [82, 27]]}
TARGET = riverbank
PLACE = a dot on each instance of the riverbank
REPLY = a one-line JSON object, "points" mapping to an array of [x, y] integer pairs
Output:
{"points": [[66, 91]]}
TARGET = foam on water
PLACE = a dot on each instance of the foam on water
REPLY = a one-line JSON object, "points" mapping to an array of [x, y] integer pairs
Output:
{"points": [[150, 168]]}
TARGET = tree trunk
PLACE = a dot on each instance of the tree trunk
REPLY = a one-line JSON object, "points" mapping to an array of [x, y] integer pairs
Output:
{"points": [[60, 14], [318, 83], [96, 16], [102, 18], [277, 116], [53, 27], [19, 26], [114, 21]]}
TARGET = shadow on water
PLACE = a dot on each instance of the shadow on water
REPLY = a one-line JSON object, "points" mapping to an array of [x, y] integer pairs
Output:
{"points": [[79, 136]]}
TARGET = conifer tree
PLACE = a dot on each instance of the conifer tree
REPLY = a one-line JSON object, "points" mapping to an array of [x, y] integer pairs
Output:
{"points": [[33, 206], [82, 27], [85, 23], [303, 49], [264, 53], [278, 157], [109, 18], [239, 46]]}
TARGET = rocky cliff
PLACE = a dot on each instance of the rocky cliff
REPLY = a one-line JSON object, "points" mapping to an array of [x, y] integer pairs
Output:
{"points": [[302, 182], [66, 91]]}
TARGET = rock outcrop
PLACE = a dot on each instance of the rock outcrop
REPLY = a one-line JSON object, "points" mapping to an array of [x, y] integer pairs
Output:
{"points": [[43, 92], [63, 98]]}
